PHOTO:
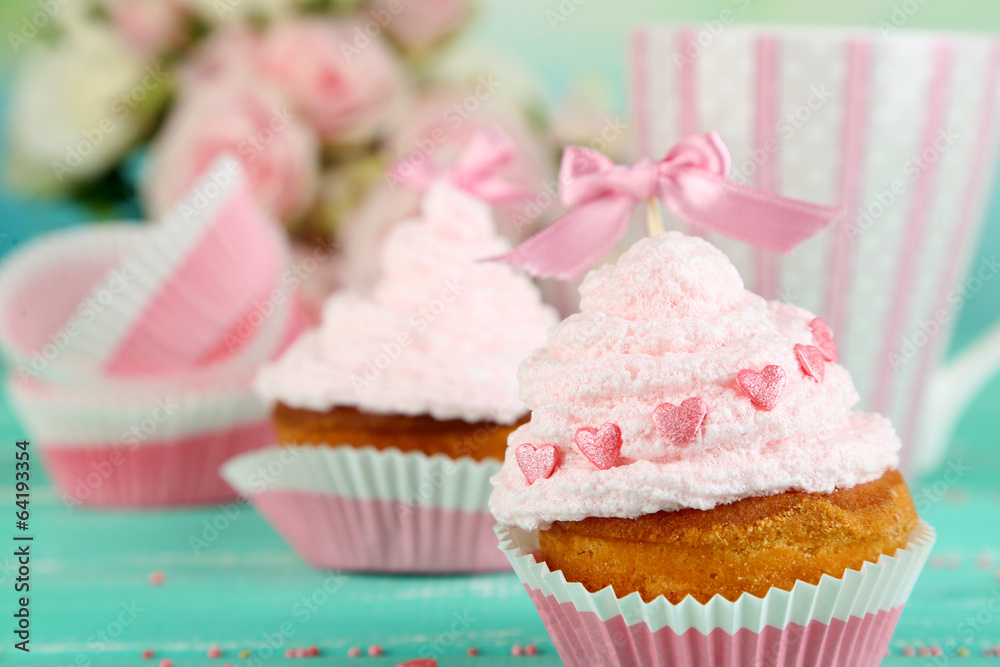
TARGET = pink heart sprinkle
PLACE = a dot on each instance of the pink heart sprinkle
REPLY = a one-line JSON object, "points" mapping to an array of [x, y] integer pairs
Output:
{"points": [[421, 662], [536, 462], [811, 360], [763, 388], [823, 338], [601, 446], [680, 424]]}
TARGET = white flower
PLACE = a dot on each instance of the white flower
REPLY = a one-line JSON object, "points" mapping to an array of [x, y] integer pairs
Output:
{"points": [[78, 106]]}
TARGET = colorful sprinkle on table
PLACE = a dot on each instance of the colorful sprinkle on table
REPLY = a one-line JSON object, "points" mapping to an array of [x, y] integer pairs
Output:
{"points": [[354, 652], [516, 649], [147, 654], [375, 650], [157, 577], [472, 652], [214, 652]]}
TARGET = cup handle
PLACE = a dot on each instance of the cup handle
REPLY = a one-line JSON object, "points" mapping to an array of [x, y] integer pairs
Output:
{"points": [[951, 390]]}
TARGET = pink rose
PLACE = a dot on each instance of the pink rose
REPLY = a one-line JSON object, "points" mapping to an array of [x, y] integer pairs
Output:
{"points": [[150, 26], [418, 24], [344, 82], [279, 152], [227, 56]]}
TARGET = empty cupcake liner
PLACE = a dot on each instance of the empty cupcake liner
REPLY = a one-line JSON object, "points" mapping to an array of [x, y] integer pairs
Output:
{"points": [[144, 446], [839, 621], [45, 283], [47, 294], [152, 473], [363, 509]]}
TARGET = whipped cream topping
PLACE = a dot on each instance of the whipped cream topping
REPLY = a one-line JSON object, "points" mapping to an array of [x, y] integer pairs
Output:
{"points": [[669, 321], [441, 333]]}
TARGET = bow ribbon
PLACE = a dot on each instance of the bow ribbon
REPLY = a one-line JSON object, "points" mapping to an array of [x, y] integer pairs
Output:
{"points": [[475, 170], [691, 180]]}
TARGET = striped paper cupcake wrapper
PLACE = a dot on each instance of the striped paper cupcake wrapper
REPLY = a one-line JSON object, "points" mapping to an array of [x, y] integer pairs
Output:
{"points": [[363, 509], [55, 284], [839, 621]]}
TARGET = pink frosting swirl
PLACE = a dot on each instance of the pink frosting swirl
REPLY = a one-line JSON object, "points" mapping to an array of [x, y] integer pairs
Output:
{"points": [[442, 332], [670, 321]]}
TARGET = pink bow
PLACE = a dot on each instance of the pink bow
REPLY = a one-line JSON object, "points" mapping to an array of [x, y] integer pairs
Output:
{"points": [[691, 180], [475, 170]]}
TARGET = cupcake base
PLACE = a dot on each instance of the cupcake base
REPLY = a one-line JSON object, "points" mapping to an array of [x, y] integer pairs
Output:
{"points": [[583, 640], [422, 433], [374, 510], [354, 534], [748, 546], [837, 621]]}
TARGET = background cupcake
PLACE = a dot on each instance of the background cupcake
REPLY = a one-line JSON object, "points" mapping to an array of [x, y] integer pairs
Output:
{"points": [[695, 444], [420, 371]]}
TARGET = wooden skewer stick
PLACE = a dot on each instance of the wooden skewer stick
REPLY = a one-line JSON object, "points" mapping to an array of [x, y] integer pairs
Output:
{"points": [[654, 220]]}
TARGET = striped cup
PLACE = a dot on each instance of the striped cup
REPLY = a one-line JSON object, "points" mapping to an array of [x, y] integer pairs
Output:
{"points": [[897, 129]]}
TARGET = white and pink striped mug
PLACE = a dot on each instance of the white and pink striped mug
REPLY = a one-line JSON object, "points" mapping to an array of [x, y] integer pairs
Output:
{"points": [[900, 131]]}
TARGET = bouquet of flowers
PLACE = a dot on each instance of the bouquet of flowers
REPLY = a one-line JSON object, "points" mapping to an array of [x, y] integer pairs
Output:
{"points": [[126, 98]]}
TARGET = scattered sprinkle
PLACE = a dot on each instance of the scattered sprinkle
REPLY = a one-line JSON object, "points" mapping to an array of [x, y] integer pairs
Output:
{"points": [[166, 662], [312, 651], [375, 650], [937, 650], [420, 662], [300, 653], [157, 577], [353, 652], [290, 653], [909, 651], [214, 652], [516, 650], [996, 650], [925, 650], [147, 654], [531, 649], [244, 654], [962, 651], [473, 651], [984, 561]]}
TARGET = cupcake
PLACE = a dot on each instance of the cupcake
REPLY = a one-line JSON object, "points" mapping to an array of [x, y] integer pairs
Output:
{"points": [[419, 371], [694, 482]]}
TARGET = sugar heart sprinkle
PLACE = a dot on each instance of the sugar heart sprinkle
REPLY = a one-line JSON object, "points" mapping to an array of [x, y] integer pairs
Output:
{"points": [[763, 388], [601, 446], [680, 424], [536, 462], [811, 360], [823, 339]]}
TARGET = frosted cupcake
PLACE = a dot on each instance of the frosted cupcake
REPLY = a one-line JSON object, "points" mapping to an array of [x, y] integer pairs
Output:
{"points": [[693, 477], [412, 388], [428, 359]]}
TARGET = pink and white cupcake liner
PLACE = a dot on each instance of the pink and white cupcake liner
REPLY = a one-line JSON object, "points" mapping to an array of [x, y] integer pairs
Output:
{"points": [[57, 285], [839, 621], [363, 509], [192, 276], [156, 473], [140, 446]]}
